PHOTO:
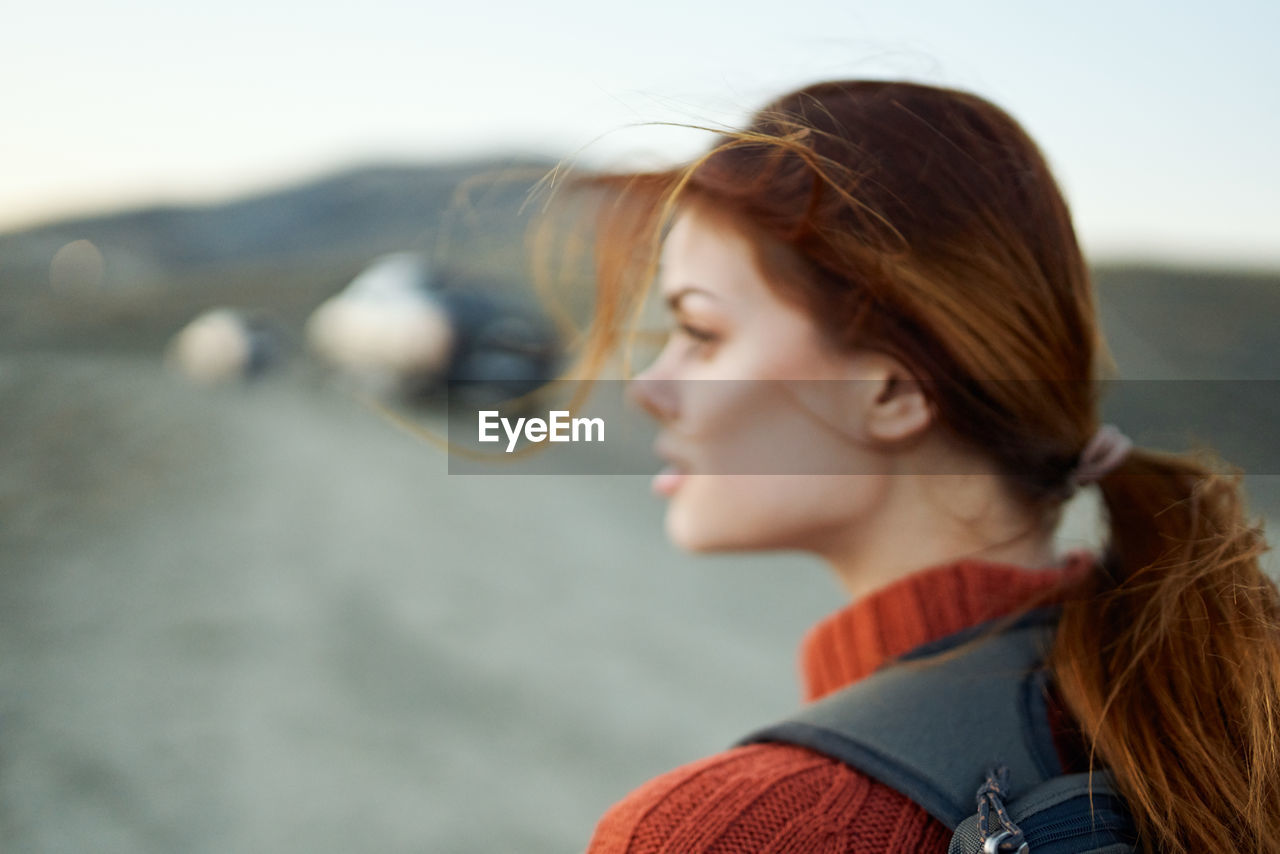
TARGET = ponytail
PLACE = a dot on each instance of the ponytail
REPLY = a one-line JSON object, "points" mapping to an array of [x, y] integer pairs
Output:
{"points": [[1170, 660]]}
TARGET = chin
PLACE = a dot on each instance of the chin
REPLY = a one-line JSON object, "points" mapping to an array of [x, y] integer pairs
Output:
{"points": [[684, 530], [710, 531], [687, 537]]}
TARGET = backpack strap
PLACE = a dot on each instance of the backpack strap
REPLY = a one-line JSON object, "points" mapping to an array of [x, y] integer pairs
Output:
{"points": [[930, 732]]}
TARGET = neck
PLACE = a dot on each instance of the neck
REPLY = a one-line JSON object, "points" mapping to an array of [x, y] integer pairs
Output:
{"points": [[930, 520]]}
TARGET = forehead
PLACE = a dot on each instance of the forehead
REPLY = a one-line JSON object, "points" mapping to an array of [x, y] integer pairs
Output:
{"points": [[706, 251]]}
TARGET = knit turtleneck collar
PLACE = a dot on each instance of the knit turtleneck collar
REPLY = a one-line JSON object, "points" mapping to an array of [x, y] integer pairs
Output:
{"points": [[916, 609]]}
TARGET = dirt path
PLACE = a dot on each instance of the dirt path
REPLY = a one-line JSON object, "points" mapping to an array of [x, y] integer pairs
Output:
{"points": [[265, 620]]}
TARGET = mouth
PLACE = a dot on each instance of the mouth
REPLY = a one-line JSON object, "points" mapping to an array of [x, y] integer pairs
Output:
{"points": [[672, 475]]}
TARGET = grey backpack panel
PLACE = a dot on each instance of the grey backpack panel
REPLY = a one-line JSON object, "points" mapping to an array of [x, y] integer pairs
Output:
{"points": [[901, 725], [934, 732]]}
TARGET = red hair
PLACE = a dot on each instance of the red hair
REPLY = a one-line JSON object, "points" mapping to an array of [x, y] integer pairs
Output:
{"points": [[925, 223]]}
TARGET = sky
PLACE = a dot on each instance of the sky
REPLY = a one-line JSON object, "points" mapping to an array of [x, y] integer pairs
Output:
{"points": [[1160, 119]]}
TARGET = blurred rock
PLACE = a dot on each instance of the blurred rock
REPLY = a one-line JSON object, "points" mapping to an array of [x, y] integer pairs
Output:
{"points": [[398, 330], [224, 345]]}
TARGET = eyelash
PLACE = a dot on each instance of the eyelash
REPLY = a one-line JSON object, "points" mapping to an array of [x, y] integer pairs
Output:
{"points": [[698, 335]]}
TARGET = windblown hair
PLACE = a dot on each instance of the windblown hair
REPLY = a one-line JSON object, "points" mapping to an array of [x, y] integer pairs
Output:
{"points": [[923, 222]]}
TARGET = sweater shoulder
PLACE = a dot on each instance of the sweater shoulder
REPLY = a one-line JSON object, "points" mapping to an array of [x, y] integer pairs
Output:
{"points": [[766, 797]]}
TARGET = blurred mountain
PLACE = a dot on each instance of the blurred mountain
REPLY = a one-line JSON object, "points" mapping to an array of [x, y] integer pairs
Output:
{"points": [[1187, 324], [370, 209], [130, 279]]}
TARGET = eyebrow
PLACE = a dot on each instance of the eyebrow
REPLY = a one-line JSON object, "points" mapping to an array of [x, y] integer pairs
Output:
{"points": [[673, 298]]}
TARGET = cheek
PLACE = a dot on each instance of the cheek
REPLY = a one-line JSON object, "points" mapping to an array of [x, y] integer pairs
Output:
{"points": [[744, 427], [770, 427]]}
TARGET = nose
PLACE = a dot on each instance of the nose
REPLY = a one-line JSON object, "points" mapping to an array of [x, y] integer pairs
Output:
{"points": [[655, 393]]}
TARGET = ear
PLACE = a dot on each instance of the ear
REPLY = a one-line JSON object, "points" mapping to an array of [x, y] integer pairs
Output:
{"points": [[891, 403]]}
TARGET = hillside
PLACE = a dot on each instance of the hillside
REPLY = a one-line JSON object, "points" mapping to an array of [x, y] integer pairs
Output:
{"points": [[279, 252]]}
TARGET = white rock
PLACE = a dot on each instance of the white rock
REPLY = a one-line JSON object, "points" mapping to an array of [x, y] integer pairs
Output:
{"points": [[215, 347]]}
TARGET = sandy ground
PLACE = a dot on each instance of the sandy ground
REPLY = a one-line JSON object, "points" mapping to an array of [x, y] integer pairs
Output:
{"points": [[265, 620]]}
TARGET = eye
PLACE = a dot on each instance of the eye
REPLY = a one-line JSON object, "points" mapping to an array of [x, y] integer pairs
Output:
{"points": [[696, 341], [702, 336]]}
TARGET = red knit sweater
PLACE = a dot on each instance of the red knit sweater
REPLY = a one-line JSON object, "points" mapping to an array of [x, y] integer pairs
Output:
{"points": [[779, 798]]}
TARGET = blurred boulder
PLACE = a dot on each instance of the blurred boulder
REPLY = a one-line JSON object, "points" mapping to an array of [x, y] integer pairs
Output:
{"points": [[384, 329], [400, 330], [224, 345]]}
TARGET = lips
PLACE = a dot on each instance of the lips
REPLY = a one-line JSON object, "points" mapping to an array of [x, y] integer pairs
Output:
{"points": [[668, 480]]}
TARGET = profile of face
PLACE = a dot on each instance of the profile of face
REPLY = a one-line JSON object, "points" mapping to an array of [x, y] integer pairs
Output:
{"points": [[756, 410]]}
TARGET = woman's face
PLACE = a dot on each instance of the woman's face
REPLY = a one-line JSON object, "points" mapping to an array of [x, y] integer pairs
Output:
{"points": [[745, 449]]}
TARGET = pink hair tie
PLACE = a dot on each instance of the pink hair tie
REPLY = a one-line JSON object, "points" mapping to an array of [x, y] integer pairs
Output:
{"points": [[1105, 451]]}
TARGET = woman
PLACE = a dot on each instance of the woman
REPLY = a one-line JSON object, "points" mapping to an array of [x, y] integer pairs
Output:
{"points": [[885, 280]]}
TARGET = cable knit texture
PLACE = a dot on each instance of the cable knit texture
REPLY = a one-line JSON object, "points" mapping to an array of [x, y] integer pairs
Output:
{"points": [[776, 798]]}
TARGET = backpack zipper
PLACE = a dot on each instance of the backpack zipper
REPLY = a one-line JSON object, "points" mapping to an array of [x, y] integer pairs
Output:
{"points": [[1101, 822]]}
